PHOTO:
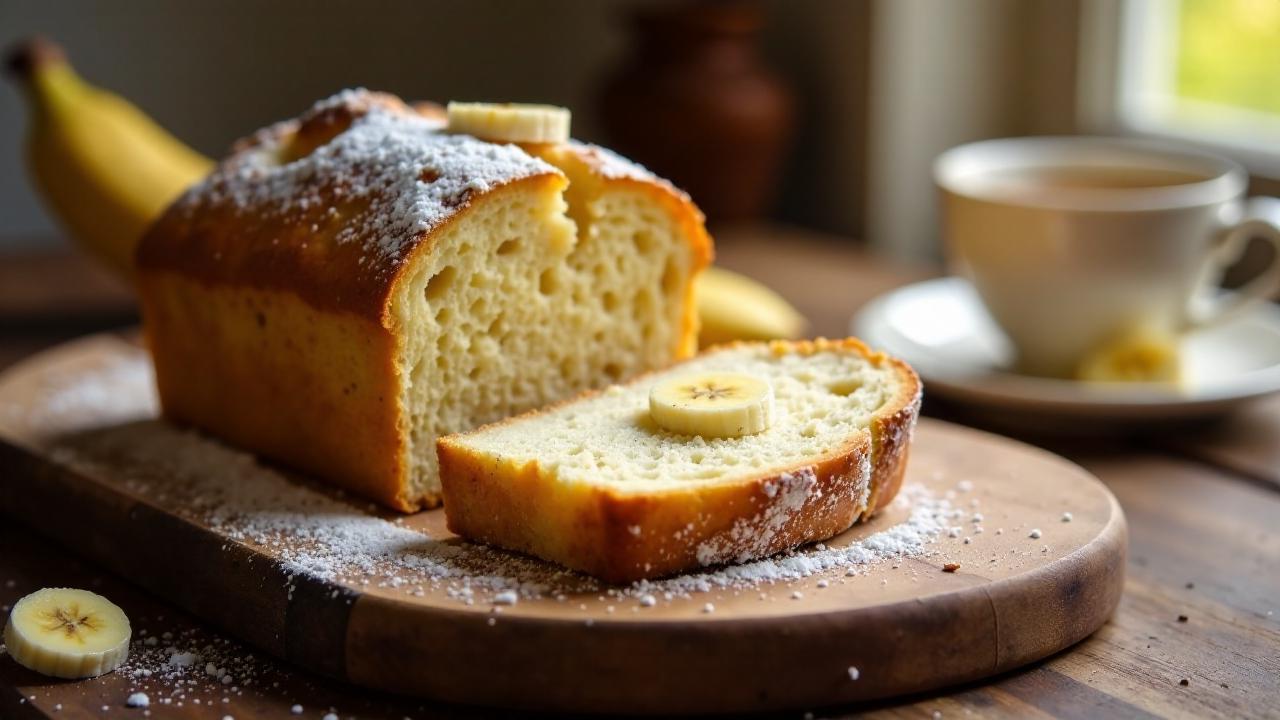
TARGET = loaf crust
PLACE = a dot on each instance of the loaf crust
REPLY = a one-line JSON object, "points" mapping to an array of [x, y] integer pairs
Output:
{"points": [[274, 329], [594, 529]]}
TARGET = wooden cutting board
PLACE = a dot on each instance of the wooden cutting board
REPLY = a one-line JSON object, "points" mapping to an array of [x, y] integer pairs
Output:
{"points": [[1039, 543]]}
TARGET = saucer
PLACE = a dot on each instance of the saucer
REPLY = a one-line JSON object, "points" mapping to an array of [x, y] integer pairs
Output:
{"points": [[942, 329]]}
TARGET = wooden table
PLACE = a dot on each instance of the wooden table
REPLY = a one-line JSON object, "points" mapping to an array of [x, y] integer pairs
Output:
{"points": [[1197, 633]]}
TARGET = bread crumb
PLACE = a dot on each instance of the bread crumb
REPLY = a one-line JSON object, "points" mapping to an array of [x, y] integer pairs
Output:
{"points": [[1182, 618], [951, 567], [137, 700], [506, 597], [1066, 517], [648, 601], [1184, 682], [854, 674], [1035, 533], [708, 608]]}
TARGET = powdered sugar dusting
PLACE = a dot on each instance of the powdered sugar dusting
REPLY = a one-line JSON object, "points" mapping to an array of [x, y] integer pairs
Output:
{"points": [[613, 166], [751, 537], [313, 534], [317, 533], [610, 164], [396, 173], [909, 538]]}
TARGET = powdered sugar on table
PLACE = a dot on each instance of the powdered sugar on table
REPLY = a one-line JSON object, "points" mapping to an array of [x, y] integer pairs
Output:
{"points": [[314, 532]]}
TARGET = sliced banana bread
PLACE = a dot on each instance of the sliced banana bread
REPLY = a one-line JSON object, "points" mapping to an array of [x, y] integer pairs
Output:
{"points": [[350, 285], [599, 485]]}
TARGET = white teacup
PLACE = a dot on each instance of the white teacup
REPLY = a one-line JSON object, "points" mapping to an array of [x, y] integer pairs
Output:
{"points": [[1072, 241]]}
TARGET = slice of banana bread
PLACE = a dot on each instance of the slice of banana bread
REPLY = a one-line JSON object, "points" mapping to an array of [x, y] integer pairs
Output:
{"points": [[596, 484], [350, 285]]}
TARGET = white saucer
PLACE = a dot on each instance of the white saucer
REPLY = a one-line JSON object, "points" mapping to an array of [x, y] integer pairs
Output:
{"points": [[941, 328]]}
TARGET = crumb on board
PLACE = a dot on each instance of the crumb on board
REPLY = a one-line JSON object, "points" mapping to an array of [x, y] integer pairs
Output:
{"points": [[951, 567]]}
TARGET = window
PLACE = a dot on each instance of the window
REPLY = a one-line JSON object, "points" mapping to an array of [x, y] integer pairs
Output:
{"points": [[1207, 71]]}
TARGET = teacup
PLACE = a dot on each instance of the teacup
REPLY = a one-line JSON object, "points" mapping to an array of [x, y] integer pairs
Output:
{"points": [[1073, 241]]}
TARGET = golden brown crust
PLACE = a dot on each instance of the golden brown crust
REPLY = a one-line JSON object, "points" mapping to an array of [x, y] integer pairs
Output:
{"points": [[623, 537], [318, 250], [272, 374], [262, 366], [273, 329]]}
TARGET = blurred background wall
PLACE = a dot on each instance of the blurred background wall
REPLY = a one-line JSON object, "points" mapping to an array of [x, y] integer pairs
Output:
{"points": [[213, 71], [879, 86]]}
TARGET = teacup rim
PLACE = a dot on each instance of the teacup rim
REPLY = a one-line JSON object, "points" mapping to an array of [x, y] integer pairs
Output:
{"points": [[1224, 178]]}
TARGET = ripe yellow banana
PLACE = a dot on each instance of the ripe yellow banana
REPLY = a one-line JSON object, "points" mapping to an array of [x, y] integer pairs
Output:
{"points": [[104, 168], [735, 307], [107, 171]]}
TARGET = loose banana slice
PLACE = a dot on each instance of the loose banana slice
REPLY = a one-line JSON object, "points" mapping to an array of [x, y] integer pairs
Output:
{"points": [[1141, 355], [67, 633], [720, 405], [509, 122]]}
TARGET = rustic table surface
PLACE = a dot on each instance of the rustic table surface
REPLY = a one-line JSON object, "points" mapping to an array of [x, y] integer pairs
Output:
{"points": [[1197, 633]]}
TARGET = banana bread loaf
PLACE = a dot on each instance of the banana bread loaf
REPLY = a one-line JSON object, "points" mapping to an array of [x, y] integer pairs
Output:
{"points": [[352, 284]]}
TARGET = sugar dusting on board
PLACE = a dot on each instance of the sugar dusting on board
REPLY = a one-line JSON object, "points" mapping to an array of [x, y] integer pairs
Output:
{"points": [[320, 534]]}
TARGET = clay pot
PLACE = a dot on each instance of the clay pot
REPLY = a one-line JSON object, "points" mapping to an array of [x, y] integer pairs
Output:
{"points": [[696, 103]]}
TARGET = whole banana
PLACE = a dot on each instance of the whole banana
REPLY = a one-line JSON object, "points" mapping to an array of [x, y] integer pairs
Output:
{"points": [[104, 168], [107, 171], [736, 307]]}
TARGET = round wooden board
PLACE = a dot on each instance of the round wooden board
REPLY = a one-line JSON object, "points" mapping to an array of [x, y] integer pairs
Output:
{"points": [[906, 625]]}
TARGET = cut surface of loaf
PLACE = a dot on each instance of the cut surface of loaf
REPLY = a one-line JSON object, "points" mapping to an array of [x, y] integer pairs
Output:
{"points": [[350, 285], [594, 484]]}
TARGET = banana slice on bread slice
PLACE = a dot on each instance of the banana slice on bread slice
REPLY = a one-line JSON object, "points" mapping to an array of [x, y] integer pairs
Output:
{"points": [[718, 405], [739, 453], [67, 633]]}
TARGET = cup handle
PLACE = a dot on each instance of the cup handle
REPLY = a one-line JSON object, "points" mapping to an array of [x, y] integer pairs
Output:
{"points": [[1209, 307]]}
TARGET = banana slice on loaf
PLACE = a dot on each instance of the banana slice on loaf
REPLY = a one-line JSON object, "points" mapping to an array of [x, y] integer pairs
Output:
{"points": [[605, 485]]}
